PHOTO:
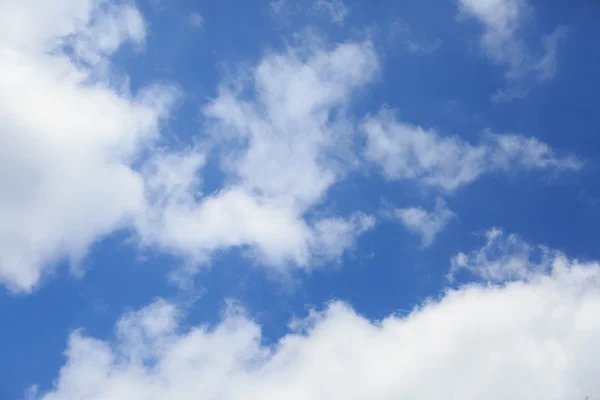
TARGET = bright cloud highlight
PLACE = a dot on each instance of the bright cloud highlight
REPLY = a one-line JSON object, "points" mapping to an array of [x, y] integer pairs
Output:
{"points": [[533, 338]]}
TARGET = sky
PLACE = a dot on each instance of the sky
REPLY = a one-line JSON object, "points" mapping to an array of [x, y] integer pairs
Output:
{"points": [[299, 199]]}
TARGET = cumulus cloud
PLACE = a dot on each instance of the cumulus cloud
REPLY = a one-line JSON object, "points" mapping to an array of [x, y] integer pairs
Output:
{"points": [[426, 223], [409, 152], [503, 258], [79, 154], [534, 338], [504, 44], [69, 131], [284, 140], [33, 27]]}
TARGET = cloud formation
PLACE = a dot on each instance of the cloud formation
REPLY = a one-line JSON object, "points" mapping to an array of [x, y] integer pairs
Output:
{"points": [[69, 131], [503, 43], [80, 139], [284, 141], [504, 258], [426, 223], [532, 338], [336, 9], [91, 159], [82, 156], [409, 152]]}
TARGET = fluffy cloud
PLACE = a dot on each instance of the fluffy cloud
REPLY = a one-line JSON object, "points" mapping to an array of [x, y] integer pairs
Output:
{"points": [[523, 339], [405, 151], [88, 162], [92, 26], [284, 140], [426, 223], [69, 131], [503, 43]]}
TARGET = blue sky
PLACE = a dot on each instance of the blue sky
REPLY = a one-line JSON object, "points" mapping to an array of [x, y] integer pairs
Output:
{"points": [[299, 199]]}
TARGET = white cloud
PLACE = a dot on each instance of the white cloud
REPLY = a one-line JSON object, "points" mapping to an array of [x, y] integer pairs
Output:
{"points": [[504, 44], [31, 26], [525, 339], [529, 152], [74, 132], [505, 257], [334, 235], [405, 151], [501, 20], [69, 131], [281, 149], [426, 223], [336, 8]]}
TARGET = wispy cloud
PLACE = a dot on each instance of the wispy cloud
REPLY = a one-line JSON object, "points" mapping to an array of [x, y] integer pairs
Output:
{"points": [[546, 66], [196, 20], [505, 257], [409, 152], [426, 223], [401, 32], [504, 44], [336, 9]]}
